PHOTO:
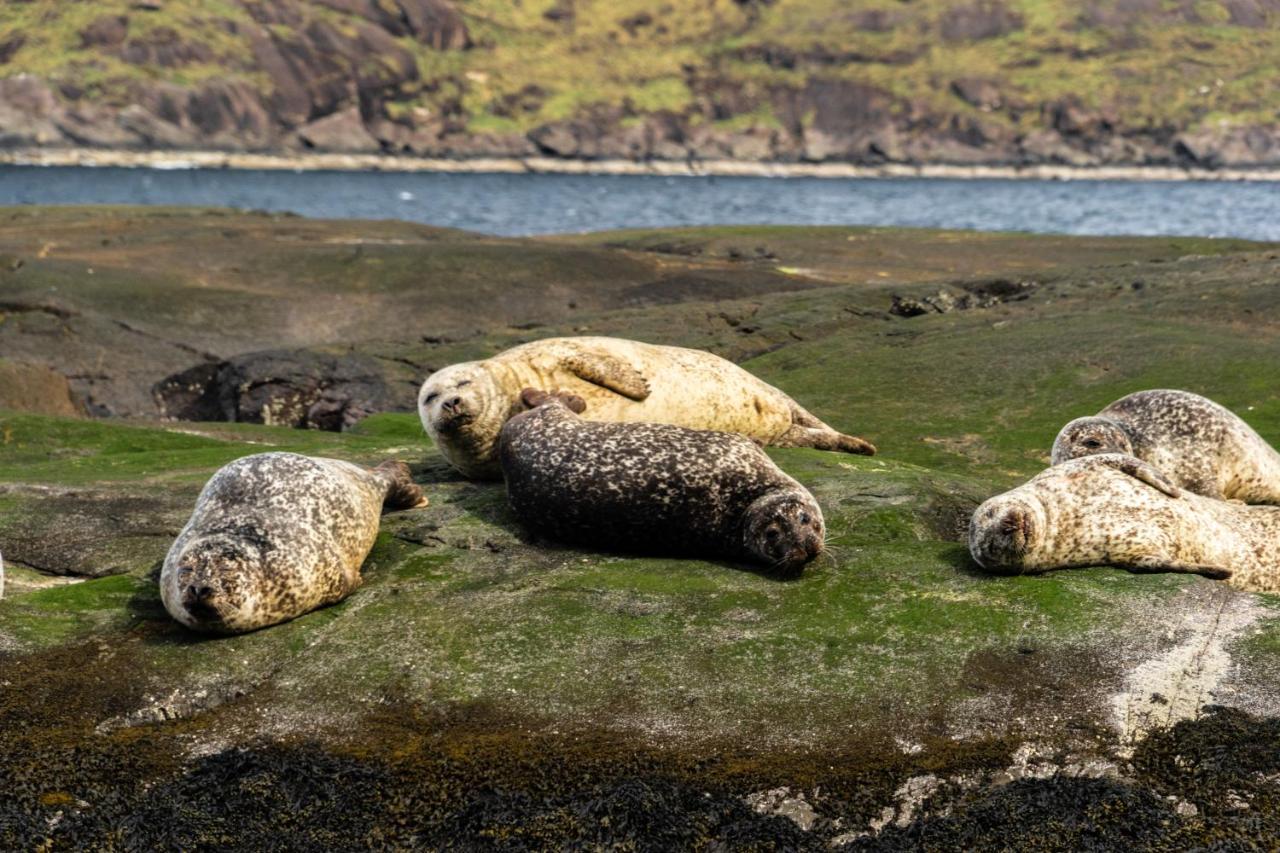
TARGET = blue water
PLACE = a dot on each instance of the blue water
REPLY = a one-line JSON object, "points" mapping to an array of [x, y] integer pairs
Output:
{"points": [[541, 204]]}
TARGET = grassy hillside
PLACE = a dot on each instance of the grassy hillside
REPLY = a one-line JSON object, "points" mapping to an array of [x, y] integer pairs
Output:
{"points": [[754, 79]]}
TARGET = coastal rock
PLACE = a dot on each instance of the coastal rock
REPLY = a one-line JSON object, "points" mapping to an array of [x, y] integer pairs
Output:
{"points": [[343, 131], [297, 389], [28, 108], [34, 388], [1216, 147]]}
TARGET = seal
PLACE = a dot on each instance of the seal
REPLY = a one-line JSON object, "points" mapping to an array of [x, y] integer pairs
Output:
{"points": [[1113, 509], [276, 535], [649, 488], [464, 406], [1198, 444]]}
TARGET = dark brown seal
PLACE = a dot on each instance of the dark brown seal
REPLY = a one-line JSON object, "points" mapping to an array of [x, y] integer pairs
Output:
{"points": [[1198, 444], [276, 535], [646, 487]]}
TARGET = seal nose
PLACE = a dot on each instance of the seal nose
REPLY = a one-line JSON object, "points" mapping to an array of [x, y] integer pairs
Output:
{"points": [[452, 405], [198, 601], [1001, 543]]}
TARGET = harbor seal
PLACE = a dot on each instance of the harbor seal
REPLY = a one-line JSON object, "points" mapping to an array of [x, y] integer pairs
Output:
{"points": [[464, 406], [1117, 510], [654, 488], [276, 535], [1198, 444]]}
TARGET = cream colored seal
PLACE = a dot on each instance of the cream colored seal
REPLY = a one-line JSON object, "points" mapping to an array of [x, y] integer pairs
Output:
{"points": [[276, 535], [1198, 444], [1113, 509], [464, 406]]}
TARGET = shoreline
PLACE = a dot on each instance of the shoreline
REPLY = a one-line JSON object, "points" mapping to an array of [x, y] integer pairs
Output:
{"points": [[306, 162]]}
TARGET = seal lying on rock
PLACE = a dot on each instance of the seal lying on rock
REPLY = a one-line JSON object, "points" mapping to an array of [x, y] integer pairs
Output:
{"points": [[1113, 509], [1197, 443], [276, 535], [464, 406], [654, 487]]}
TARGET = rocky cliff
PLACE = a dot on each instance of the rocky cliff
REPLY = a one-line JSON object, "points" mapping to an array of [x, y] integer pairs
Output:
{"points": [[977, 82]]}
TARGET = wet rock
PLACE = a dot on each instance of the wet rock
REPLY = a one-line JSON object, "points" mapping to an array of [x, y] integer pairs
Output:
{"points": [[783, 802], [298, 389]]}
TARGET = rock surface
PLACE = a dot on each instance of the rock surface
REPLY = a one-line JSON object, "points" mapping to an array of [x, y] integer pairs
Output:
{"points": [[891, 697]]}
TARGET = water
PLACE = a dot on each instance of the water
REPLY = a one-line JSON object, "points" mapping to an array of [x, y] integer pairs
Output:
{"points": [[540, 204]]}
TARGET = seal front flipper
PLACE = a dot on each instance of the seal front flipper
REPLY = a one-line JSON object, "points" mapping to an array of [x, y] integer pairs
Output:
{"points": [[402, 492], [1156, 564], [1136, 468], [608, 372]]}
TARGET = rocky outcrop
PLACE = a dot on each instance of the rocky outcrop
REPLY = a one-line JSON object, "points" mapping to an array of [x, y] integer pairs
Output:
{"points": [[297, 389], [28, 387], [347, 76]]}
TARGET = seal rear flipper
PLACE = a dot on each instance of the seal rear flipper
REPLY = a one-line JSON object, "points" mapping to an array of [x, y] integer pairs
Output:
{"points": [[402, 492], [824, 438], [609, 372], [1156, 564]]}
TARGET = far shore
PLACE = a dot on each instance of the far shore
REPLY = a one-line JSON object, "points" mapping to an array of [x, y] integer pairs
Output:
{"points": [[311, 161]]}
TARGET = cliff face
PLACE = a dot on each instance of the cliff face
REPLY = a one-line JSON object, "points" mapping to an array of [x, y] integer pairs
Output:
{"points": [[1138, 82]]}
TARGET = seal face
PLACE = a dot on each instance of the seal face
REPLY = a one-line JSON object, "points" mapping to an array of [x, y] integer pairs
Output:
{"points": [[1200, 445], [464, 406], [656, 488], [276, 535], [1112, 509]]}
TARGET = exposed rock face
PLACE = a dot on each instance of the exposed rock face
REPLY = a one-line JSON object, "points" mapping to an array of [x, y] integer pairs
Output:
{"points": [[33, 388], [297, 389]]}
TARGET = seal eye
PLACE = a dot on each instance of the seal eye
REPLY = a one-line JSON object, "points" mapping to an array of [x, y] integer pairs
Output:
{"points": [[430, 397], [1092, 443], [772, 534], [464, 383], [804, 518]]}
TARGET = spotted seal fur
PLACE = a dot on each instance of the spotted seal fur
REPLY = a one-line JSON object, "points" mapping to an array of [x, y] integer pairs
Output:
{"points": [[1113, 509], [654, 488], [1198, 444], [464, 406], [276, 535]]}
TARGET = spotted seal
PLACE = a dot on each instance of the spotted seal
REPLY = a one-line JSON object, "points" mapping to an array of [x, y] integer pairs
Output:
{"points": [[654, 488], [464, 406], [1200, 445], [1113, 509], [276, 535]]}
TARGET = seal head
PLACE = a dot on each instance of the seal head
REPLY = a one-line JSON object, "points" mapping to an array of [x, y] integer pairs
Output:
{"points": [[1005, 531], [455, 396], [784, 530], [215, 581], [1089, 437]]}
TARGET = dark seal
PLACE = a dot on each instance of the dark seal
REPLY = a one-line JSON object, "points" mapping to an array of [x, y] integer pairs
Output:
{"points": [[649, 488]]}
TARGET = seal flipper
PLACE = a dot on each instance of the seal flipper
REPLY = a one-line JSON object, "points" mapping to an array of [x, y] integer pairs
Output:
{"points": [[1155, 564], [609, 372], [824, 438], [1136, 468], [402, 492]]}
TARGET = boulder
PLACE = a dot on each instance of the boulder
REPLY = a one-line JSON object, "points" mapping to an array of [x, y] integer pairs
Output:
{"points": [[26, 387], [107, 31], [28, 109], [343, 131]]}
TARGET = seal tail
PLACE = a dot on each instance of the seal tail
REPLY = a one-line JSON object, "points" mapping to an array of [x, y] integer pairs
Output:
{"points": [[402, 492]]}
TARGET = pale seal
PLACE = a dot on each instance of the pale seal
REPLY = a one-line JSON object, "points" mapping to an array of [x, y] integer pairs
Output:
{"points": [[464, 406], [1198, 444], [655, 488], [1117, 510], [276, 535]]}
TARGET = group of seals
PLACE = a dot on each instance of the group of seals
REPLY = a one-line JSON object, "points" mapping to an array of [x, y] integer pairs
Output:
{"points": [[1157, 481], [649, 486], [276, 535], [464, 406]]}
